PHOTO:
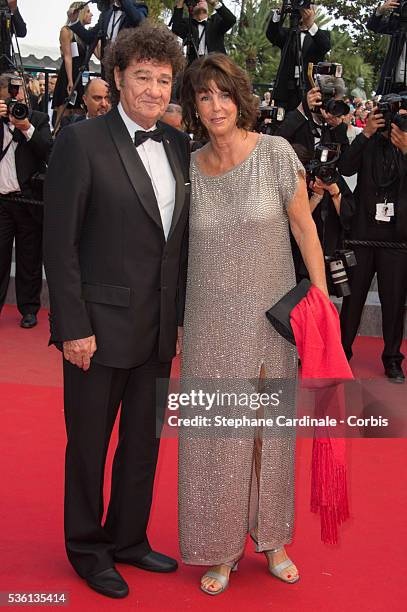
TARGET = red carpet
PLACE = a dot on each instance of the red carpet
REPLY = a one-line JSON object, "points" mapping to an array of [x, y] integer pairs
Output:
{"points": [[365, 572]]}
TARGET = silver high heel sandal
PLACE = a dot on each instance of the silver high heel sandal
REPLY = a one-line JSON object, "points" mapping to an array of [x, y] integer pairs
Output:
{"points": [[277, 570], [223, 580]]}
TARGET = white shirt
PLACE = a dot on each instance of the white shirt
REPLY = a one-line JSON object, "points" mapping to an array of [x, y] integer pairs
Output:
{"points": [[114, 25], [202, 38], [401, 67], [156, 163], [8, 169]]}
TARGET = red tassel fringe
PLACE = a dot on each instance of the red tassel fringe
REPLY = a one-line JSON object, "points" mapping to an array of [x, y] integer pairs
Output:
{"points": [[329, 495]]}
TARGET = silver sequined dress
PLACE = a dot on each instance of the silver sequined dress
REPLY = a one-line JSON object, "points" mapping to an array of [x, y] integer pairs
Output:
{"points": [[239, 265]]}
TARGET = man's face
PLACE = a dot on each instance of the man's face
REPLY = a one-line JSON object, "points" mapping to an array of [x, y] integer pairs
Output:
{"points": [[97, 99], [200, 10], [173, 116], [145, 90], [51, 84], [5, 95]]}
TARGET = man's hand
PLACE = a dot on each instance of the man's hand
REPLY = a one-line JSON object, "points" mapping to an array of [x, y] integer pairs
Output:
{"points": [[399, 138], [80, 352], [22, 125], [314, 98], [308, 18], [212, 2], [180, 340], [3, 109], [375, 121], [317, 187], [390, 5], [12, 4]]}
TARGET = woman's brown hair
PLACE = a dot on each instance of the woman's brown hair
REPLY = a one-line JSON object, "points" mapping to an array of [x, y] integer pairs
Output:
{"points": [[228, 77]]}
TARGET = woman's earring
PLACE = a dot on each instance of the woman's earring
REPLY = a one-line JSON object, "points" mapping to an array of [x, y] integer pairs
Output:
{"points": [[196, 114]]}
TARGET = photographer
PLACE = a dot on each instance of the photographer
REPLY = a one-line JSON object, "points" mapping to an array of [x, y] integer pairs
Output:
{"points": [[391, 18], [11, 23], [115, 16], [208, 33], [311, 123], [379, 156], [315, 44], [26, 144]]}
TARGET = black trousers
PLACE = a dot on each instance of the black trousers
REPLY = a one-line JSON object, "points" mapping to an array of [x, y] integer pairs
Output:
{"points": [[92, 401], [22, 222], [391, 268]]}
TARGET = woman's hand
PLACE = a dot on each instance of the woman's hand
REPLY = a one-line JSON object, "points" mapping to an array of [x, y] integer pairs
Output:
{"points": [[69, 87]]}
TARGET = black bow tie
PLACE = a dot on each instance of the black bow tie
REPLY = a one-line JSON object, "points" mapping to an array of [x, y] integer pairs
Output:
{"points": [[116, 8], [141, 136]]}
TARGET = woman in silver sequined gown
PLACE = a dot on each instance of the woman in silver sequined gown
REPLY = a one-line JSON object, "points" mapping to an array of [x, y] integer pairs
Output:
{"points": [[243, 199]]}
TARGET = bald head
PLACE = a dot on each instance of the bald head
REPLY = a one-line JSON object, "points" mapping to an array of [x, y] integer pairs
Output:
{"points": [[96, 98]]}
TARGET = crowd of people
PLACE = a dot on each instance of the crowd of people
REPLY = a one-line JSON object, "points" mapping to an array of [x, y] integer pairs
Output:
{"points": [[171, 226]]}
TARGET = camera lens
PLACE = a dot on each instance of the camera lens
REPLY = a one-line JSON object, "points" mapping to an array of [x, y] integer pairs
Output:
{"points": [[19, 111]]}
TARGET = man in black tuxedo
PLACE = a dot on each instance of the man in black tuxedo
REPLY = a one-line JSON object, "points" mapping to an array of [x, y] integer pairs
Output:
{"points": [[25, 146], [11, 23], [117, 16], [387, 20], [208, 33], [116, 209], [315, 44]]}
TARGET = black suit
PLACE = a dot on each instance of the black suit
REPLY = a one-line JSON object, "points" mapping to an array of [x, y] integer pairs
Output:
{"points": [[389, 24], [314, 49], [216, 27], [112, 273], [133, 14], [22, 221], [17, 27]]}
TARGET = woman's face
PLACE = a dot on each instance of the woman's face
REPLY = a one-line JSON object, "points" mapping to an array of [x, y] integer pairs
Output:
{"points": [[87, 16], [217, 110]]}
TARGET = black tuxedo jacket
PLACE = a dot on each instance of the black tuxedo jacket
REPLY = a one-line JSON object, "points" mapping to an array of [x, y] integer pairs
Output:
{"points": [[217, 26], [110, 270], [31, 155], [314, 50], [388, 24], [133, 14]]}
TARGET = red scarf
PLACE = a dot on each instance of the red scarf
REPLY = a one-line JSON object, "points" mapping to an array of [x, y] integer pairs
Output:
{"points": [[315, 323]]}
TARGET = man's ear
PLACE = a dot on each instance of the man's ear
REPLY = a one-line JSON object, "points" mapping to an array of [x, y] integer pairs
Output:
{"points": [[118, 78]]}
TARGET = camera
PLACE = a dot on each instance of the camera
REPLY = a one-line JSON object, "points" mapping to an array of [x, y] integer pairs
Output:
{"points": [[268, 118], [16, 109], [337, 266], [103, 5], [328, 87], [191, 3], [390, 106], [323, 166], [291, 6]]}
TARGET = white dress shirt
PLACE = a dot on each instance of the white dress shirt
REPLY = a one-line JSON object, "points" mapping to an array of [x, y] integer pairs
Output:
{"points": [[202, 37], [156, 163], [114, 25], [8, 169], [401, 67]]}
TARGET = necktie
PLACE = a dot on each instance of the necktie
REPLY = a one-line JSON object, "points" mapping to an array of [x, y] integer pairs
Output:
{"points": [[141, 136]]}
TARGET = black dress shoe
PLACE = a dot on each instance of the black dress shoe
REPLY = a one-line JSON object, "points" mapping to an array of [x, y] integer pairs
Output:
{"points": [[109, 583], [152, 562], [28, 320], [394, 373]]}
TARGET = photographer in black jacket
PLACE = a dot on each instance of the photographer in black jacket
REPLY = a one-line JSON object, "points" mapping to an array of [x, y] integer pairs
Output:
{"points": [[26, 143], [391, 18], [379, 156], [208, 33], [115, 16], [11, 23], [315, 44]]}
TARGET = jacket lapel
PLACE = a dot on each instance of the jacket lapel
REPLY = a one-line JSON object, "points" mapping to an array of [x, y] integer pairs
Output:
{"points": [[135, 169], [175, 164]]}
